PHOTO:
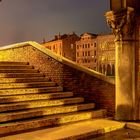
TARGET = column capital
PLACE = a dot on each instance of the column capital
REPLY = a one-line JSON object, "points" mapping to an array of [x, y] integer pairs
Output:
{"points": [[122, 23]]}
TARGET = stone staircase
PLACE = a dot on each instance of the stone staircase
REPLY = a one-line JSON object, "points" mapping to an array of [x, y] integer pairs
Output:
{"points": [[28, 100]]}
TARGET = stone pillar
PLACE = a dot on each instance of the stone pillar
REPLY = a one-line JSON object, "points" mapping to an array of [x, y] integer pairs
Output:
{"points": [[122, 23]]}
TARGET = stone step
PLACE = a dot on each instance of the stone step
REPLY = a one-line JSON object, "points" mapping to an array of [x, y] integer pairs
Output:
{"points": [[13, 63], [16, 67], [24, 80], [29, 90], [27, 85], [39, 103], [28, 97], [42, 111], [20, 75], [52, 120], [18, 71]]}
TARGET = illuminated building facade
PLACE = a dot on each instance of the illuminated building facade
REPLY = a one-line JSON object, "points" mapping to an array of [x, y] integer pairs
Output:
{"points": [[63, 45], [106, 54], [86, 50], [96, 52], [90, 50]]}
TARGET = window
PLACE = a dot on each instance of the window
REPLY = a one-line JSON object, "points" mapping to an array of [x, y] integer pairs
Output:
{"points": [[77, 54], [71, 45], [85, 53], [94, 53], [53, 47], [94, 44], [88, 53], [85, 45], [88, 45], [77, 46]]}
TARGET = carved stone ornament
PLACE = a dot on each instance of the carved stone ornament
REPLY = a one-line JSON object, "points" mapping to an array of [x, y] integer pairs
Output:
{"points": [[122, 23]]}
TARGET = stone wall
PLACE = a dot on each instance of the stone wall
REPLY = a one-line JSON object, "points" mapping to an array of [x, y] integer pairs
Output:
{"points": [[93, 89]]}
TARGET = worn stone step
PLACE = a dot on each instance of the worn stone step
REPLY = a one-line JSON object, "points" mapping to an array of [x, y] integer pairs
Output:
{"points": [[18, 71], [42, 111], [36, 96], [39, 103], [27, 85], [52, 120], [30, 90], [16, 67], [13, 63], [24, 80], [20, 75]]}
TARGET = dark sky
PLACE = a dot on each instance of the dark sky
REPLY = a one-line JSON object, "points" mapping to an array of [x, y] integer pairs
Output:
{"points": [[23, 20]]}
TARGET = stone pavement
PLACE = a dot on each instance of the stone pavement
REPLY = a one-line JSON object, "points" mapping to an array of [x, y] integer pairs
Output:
{"points": [[75, 131], [122, 134]]}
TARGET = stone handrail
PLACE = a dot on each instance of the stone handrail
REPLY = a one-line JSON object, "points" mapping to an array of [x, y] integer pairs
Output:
{"points": [[61, 59]]}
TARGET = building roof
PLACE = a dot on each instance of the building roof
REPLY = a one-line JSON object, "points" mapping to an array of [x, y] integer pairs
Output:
{"points": [[61, 37], [89, 34]]}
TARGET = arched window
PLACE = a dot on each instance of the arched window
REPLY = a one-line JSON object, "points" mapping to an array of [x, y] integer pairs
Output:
{"points": [[113, 70], [109, 70], [100, 69], [104, 70]]}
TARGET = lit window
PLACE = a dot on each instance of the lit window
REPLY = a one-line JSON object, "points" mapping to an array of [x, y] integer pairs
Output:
{"points": [[72, 46]]}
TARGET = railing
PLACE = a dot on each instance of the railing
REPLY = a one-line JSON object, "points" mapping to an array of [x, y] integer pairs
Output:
{"points": [[61, 59]]}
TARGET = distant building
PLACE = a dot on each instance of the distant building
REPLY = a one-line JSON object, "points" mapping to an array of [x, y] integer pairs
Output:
{"points": [[63, 45], [86, 50], [90, 50], [106, 54], [96, 52]]}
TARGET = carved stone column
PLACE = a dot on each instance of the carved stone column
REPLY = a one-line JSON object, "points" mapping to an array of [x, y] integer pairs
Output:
{"points": [[122, 23]]}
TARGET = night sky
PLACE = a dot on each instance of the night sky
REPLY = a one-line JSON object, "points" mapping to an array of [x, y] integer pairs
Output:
{"points": [[23, 20]]}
